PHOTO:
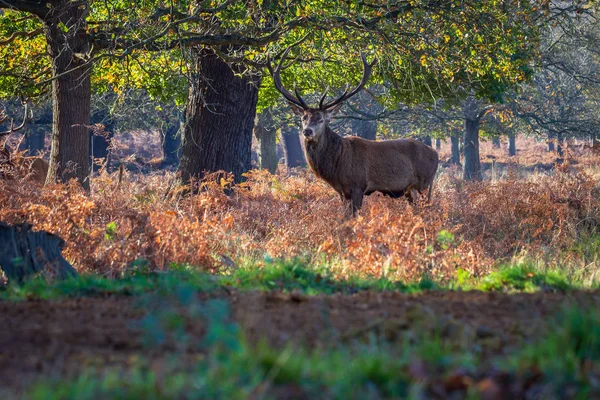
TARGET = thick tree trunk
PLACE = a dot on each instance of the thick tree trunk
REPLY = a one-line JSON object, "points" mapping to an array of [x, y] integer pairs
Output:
{"points": [[170, 140], [65, 31], [294, 155], [512, 145], [438, 144], [455, 148], [266, 134], [496, 142], [219, 118], [472, 165]]}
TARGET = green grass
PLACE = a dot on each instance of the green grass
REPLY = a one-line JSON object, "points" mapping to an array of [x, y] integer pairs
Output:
{"points": [[521, 276], [289, 276]]}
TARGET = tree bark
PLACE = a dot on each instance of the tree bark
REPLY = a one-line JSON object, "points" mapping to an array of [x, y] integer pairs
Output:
{"points": [[65, 30], [24, 252], [219, 118], [455, 148], [472, 165], [170, 140], [266, 134], [294, 155], [512, 145]]}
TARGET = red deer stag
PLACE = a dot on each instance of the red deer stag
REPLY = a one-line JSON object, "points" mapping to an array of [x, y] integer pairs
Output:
{"points": [[36, 168], [354, 166]]}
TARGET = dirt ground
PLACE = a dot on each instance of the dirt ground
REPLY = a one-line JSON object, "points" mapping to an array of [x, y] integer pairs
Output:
{"points": [[48, 338]]}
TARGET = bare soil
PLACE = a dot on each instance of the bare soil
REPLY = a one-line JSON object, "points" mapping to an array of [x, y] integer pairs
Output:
{"points": [[52, 338]]}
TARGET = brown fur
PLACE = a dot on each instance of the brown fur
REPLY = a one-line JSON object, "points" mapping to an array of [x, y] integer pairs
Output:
{"points": [[355, 167]]}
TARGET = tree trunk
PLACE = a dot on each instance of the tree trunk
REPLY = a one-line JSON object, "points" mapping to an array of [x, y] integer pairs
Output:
{"points": [[512, 145], [24, 252], [219, 118], [266, 134], [455, 148], [65, 30], [472, 165], [427, 141], [438, 144], [294, 155], [496, 142], [170, 140]]}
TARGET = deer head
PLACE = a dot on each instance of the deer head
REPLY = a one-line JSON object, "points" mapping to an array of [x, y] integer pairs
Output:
{"points": [[315, 120]]}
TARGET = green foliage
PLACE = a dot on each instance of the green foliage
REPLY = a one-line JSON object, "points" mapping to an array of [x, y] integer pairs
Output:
{"points": [[111, 231], [445, 239], [523, 277]]}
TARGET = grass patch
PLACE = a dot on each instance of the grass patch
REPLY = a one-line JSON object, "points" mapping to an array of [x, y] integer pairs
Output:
{"points": [[293, 275], [521, 276], [287, 276]]}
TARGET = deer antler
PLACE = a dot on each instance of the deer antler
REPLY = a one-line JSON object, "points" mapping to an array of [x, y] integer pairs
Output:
{"points": [[297, 99], [367, 70], [27, 115]]}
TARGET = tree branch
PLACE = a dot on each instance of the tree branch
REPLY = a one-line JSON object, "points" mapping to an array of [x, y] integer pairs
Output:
{"points": [[36, 7]]}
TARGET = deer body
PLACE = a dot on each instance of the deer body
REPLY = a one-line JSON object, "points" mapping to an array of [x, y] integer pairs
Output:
{"points": [[354, 166]]}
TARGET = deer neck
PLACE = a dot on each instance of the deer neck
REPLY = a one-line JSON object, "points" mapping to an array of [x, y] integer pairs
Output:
{"points": [[324, 155]]}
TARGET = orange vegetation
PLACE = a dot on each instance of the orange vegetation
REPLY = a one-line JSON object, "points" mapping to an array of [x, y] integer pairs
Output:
{"points": [[468, 225]]}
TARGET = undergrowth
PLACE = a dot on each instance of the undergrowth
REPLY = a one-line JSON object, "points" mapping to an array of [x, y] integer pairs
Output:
{"points": [[472, 226]]}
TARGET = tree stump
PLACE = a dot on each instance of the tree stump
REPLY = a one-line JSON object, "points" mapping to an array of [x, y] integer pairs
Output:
{"points": [[24, 252]]}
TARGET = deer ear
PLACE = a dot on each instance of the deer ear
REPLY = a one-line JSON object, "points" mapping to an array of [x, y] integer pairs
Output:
{"points": [[297, 110], [334, 110]]}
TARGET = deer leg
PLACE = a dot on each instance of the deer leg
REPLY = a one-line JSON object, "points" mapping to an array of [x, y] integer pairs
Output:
{"points": [[412, 194], [356, 199]]}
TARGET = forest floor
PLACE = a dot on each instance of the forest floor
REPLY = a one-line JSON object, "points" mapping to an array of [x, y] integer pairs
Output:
{"points": [[61, 333]]}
